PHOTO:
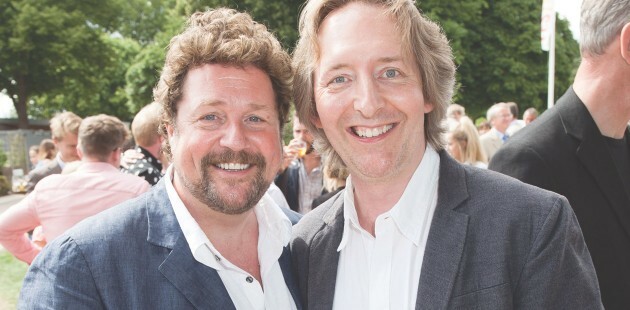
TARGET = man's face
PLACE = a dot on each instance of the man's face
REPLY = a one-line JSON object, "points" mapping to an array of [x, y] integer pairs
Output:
{"points": [[226, 139], [528, 118], [67, 147], [501, 119], [301, 132], [368, 94]]}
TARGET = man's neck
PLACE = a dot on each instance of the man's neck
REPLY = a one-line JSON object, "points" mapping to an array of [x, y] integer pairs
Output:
{"points": [[311, 161], [600, 84]]}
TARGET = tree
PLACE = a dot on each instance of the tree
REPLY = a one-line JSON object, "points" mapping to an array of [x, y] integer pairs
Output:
{"points": [[497, 48]]}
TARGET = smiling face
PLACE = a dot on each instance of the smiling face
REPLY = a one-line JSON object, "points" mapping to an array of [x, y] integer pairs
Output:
{"points": [[368, 94], [226, 138]]}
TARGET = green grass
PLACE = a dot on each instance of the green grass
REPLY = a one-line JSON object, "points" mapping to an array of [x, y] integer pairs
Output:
{"points": [[12, 272]]}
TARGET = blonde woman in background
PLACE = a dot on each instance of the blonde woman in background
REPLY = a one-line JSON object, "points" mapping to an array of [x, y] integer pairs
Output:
{"points": [[464, 145]]}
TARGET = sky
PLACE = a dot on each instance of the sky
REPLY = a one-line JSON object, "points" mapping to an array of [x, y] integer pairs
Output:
{"points": [[568, 9]]}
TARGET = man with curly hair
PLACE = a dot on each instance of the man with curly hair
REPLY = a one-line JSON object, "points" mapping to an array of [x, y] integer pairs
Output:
{"points": [[206, 236]]}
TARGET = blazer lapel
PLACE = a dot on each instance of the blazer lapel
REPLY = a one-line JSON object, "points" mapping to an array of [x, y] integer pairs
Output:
{"points": [[593, 154], [289, 278], [199, 284], [447, 236], [324, 259]]}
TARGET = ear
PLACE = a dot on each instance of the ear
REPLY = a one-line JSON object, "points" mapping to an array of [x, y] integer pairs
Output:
{"points": [[428, 107], [625, 43], [79, 152], [115, 157]]}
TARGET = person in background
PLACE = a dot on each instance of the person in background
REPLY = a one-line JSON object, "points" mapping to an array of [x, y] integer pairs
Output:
{"points": [[516, 124], [454, 113], [500, 117], [580, 148], [64, 128], [206, 236], [301, 178], [463, 144], [60, 201], [46, 152], [145, 131], [335, 175], [483, 127], [415, 229], [33, 157], [530, 115]]}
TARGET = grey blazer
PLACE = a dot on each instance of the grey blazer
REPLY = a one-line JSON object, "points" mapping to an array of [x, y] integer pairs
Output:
{"points": [[132, 256], [33, 177], [494, 243]]}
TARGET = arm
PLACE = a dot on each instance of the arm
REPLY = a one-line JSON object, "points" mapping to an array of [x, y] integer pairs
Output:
{"points": [[14, 223], [60, 279], [559, 272]]}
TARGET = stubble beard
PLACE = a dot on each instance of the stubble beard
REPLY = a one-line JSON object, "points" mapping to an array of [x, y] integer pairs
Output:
{"points": [[233, 202]]}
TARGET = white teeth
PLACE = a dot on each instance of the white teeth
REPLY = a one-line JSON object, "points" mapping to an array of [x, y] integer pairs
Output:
{"points": [[374, 132], [233, 166]]}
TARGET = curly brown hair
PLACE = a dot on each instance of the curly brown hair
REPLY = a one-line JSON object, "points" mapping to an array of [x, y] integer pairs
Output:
{"points": [[222, 36]]}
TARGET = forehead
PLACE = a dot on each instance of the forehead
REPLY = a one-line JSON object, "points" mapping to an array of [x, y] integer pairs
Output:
{"points": [[358, 27], [220, 84]]}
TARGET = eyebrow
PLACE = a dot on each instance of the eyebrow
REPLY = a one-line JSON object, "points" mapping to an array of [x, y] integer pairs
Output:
{"points": [[250, 105], [379, 60]]}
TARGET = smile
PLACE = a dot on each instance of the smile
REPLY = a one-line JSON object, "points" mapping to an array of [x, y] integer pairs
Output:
{"points": [[365, 132], [232, 166]]}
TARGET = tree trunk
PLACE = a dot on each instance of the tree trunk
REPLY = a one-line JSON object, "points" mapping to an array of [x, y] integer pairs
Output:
{"points": [[20, 104]]}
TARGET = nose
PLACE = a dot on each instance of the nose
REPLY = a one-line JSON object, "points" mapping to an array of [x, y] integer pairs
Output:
{"points": [[367, 99], [234, 136]]}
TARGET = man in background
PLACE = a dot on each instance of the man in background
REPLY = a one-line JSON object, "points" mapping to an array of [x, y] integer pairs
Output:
{"points": [[580, 148], [64, 128], [301, 181], [145, 131], [500, 117], [60, 201], [530, 115]]}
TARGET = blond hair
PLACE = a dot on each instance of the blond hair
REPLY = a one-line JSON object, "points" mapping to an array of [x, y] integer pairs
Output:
{"points": [[145, 125], [467, 141], [421, 38], [63, 123], [222, 36]]}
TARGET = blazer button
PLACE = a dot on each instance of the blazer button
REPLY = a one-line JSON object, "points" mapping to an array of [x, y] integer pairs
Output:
{"points": [[249, 279]]}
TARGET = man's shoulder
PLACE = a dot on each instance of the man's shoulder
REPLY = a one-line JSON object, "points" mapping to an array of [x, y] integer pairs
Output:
{"points": [[324, 216]]}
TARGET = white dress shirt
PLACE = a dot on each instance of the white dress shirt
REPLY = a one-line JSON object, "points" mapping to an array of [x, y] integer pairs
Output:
{"points": [[383, 272], [274, 233]]}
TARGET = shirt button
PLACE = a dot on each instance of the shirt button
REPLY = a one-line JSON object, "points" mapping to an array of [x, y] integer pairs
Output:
{"points": [[249, 279], [217, 258]]}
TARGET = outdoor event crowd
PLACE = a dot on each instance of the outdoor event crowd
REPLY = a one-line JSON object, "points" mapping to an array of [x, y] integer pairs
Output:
{"points": [[387, 195]]}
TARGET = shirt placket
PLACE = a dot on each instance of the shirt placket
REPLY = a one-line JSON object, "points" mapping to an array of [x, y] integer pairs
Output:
{"points": [[379, 286]]}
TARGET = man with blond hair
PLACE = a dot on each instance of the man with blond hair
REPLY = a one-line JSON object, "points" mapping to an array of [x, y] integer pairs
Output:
{"points": [[414, 229], [60, 201], [64, 128], [145, 131]]}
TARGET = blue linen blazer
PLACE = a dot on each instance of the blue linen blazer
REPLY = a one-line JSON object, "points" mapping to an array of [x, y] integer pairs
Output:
{"points": [[132, 256]]}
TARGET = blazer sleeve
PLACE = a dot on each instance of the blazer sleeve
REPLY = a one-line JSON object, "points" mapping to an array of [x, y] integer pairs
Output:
{"points": [[59, 278], [559, 272]]}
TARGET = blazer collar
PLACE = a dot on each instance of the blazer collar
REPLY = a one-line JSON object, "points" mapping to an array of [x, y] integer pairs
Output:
{"points": [[201, 285], [441, 257], [592, 152], [447, 236]]}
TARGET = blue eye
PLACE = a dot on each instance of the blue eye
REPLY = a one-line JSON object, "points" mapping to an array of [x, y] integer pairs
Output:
{"points": [[210, 117], [255, 119], [391, 73], [339, 79]]}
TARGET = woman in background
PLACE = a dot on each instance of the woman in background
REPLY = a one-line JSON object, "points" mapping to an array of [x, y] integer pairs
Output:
{"points": [[464, 145]]}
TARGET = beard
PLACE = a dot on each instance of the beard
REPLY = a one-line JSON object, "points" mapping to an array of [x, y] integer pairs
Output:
{"points": [[235, 201]]}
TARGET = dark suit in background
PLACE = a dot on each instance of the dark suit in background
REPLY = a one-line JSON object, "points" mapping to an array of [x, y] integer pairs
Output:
{"points": [[563, 151], [36, 175], [289, 183]]}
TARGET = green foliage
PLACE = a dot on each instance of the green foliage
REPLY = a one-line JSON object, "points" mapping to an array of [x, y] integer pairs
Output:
{"points": [[105, 57], [3, 156], [5, 187], [497, 49]]}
